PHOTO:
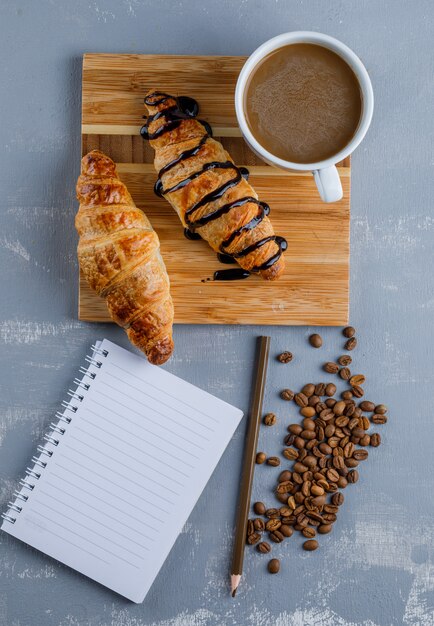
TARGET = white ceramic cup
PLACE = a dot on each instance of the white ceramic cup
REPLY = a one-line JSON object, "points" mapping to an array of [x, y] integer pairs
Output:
{"points": [[325, 173]]}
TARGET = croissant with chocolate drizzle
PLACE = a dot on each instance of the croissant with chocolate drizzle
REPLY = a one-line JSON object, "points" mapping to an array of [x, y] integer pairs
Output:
{"points": [[208, 191]]}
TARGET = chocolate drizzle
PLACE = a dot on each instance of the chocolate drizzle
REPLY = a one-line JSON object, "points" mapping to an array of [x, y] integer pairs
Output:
{"points": [[227, 259], [189, 234], [232, 274], [187, 108], [184, 109]]}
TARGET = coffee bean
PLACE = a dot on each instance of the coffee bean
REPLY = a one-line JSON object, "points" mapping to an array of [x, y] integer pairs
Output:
{"points": [[331, 368], [258, 524], [273, 566], [276, 536], [250, 527], [331, 508], [299, 442], [345, 373], [282, 497], [338, 498], [367, 406], [290, 454], [285, 511], [357, 391], [310, 544], [253, 538], [259, 508], [357, 379], [375, 440], [345, 360], [320, 389], [315, 340], [330, 389], [274, 461], [285, 357], [289, 440], [316, 490], [286, 530], [347, 395], [351, 344], [309, 532], [260, 458], [381, 409], [332, 475], [339, 408], [300, 468], [300, 399], [349, 450], [365, 440], [310, 461], [287, 394], [291, 503], [353, 476], [284, 487], [342, 482], [308, 390], [285, 475], [270, 419], [324, 529], [330, 402], [308, 411], [351, 462], [295, 429], [273, 524], [361, 455], [313, 400], [349, 332], [263, 547], [378, 418], [272, 513]]}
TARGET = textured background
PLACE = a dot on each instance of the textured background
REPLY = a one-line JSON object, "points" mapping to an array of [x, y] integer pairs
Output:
{"points": [[376, 568]]}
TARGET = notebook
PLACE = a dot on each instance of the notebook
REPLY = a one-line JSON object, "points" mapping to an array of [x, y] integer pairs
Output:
{"points": [[120, 470]]}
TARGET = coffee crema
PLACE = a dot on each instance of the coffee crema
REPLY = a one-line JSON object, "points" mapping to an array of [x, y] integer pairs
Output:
{"points": [[303, 103]]}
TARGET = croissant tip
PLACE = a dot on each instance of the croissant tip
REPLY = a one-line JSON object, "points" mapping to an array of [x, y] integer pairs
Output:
{"points": [[161, 352], [96, 162]]}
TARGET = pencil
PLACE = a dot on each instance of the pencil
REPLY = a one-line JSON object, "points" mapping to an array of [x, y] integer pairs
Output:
{"points": [[249, 464]]}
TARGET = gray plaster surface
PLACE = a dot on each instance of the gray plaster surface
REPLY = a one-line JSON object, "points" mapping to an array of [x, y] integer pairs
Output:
{"points": [[376, 568]]}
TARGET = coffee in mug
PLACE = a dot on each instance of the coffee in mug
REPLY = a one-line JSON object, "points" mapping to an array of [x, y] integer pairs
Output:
{"points": [[303, 103]]}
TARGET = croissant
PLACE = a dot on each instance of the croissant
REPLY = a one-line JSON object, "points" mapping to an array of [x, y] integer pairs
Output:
{"points": [[210, 194], [119, 255]]}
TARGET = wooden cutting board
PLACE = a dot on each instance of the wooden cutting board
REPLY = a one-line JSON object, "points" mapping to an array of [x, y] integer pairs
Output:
{"points": [[314, 289]]}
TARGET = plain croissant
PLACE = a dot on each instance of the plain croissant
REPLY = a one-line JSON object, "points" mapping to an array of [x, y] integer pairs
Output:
{"points": [[119, 255], [208, 191]]}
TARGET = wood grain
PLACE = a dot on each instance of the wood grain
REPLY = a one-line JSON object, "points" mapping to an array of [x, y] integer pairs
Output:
{"points": [[314, 288]]}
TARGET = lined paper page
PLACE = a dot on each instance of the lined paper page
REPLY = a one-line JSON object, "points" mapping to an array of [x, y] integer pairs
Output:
{"points": [[126, 473]]}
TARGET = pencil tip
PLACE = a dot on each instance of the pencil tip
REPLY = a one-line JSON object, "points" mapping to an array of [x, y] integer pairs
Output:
{"points": [[234, 592]]}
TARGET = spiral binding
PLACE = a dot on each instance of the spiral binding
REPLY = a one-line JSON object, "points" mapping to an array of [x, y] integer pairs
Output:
{"points": [[53, 436]]}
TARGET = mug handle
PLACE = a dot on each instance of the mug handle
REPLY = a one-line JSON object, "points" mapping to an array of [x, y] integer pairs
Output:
{"points": [[329, 184]]}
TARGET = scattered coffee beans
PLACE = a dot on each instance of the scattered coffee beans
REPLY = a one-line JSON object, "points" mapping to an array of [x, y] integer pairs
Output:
{"points": [[315, 340], [325, 449], [270, 419], [285, 357]]}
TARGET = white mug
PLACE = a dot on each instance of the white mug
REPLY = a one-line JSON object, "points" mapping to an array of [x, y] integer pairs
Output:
{"points": [[325, 173]]}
